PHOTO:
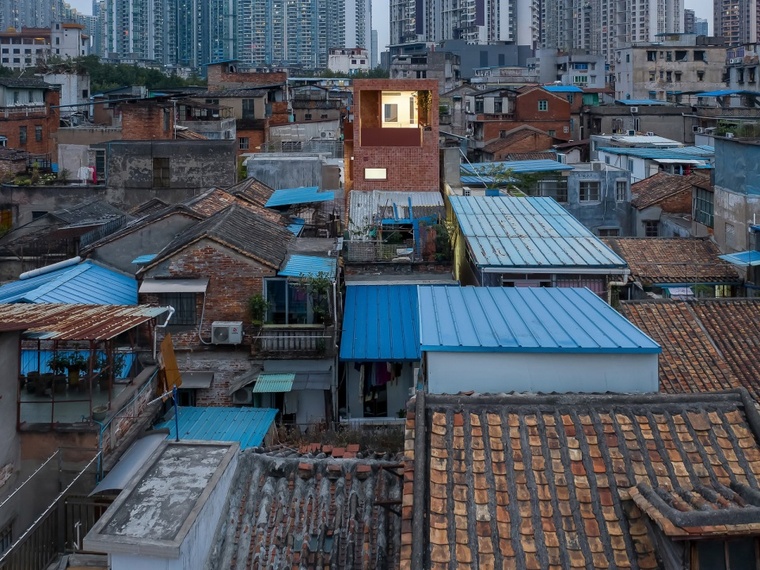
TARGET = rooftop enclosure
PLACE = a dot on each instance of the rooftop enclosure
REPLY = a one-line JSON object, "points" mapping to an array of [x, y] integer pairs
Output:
{"points": [[533, 339], [394, 118]]}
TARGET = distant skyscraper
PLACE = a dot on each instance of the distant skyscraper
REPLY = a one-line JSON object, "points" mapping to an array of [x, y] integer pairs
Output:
{"points": [[374, 51], [736, 20], [29, 13], [689, 19], [701, 27]]}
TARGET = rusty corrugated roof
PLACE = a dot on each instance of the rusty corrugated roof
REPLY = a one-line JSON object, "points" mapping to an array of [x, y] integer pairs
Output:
{"points": [[75, 322]]}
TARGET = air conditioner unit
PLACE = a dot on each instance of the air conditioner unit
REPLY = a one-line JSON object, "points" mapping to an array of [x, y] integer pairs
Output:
{"points": [[631, 132], [700, 130], [729, 135], [466, 191], [650, 133], [227, 332], [634, 109], [242, 396], [327, 135]]}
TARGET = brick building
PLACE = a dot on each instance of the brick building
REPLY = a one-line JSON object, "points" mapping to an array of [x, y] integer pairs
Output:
{"points": [[147, 120], [28, 115], [257, 101], [493, 114], [394, 136]]}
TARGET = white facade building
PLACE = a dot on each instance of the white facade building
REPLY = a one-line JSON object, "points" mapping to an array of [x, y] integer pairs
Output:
{"points": [[348, 60]]}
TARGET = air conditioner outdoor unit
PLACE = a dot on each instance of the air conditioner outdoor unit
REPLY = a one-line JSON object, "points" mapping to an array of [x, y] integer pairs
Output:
{"points": [[650, 133], [634, 109], [700, 130], [227, 332], [631, 133], [242, 396]]}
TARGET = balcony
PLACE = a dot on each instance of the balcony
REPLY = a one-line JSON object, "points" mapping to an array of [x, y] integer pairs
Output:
{"points": [[378, 136], [293, 341], [19, 112]]}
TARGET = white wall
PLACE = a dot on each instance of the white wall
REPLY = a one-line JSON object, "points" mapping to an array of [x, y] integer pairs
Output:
{"points": [[453, 372], [197, 544]]}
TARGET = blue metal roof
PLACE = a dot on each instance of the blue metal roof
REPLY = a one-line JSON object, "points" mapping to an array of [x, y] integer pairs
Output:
{"points": [[751, 258], [683, 153], [296, 225], [641, 102], [563, 89], [143, 259], [529, 233], [308, 266], [84, 283], [304, 195], [249, 426], [516, 166], [380, 324], [724, 92], [269, 383], [530, 319]]}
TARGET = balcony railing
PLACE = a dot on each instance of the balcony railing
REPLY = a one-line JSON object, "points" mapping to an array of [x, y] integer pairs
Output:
{"points": [[23, 111], [294, 340]]}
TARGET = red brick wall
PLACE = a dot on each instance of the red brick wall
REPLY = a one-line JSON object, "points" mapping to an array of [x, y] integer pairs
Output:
{"points": [[255, 139], [410, 168], [678, 204], [46, 118], [532, 142], [232, 280], [556, 117], [219, 77], [146, 121]]}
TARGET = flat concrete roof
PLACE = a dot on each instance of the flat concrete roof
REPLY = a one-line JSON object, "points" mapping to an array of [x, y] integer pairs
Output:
{"points": [[154, 513]]}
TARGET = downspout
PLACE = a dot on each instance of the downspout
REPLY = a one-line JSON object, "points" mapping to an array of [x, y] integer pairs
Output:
{"points": [[612, 284], [418, 488], [155, 337]]}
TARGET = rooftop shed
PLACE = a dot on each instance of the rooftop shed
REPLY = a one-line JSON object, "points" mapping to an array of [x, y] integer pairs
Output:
{"points": [[531, 340]]}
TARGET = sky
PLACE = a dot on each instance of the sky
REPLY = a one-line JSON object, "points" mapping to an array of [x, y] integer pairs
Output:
{"points": [[380, 17]]}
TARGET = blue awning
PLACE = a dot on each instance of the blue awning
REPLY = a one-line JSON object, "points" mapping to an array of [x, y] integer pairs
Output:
{"points": [[292, 196], [380, 324], [269, 383], [296, 225], [309, 266], [750, 258]]}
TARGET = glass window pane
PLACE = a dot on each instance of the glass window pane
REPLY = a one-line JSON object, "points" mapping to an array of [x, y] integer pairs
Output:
{"points": [[298, 305], [741, 554], [277, 301], [711, 555]]}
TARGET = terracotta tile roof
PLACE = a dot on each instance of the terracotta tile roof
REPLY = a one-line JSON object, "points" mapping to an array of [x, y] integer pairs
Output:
{"points": [[708, 344], [303, 512], [217, 199], [656, 188], [673, 260], [566, 481]]}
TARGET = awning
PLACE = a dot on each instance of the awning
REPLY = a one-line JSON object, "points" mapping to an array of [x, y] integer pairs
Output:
{"points": [[678, 161], [310, 374], [131, 462], [268, 383], [195, 379], [173, 286], [750, 258], [293, 196]]}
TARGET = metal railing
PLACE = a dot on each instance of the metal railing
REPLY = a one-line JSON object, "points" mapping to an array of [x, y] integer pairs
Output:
{"points": [[285, 339], [47, 537], [372, 251]]}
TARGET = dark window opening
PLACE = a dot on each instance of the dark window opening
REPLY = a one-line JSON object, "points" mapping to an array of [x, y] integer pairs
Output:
{"points": [[184, 307], [161, 173]]}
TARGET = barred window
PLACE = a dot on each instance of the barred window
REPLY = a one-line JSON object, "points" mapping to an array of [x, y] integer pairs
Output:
{"points": [[703, 207], [184, 307]]}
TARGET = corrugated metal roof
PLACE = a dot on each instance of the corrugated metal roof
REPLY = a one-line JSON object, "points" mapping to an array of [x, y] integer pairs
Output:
{"points": [[86, 282], [641, 102], [75, 322], [296, 226], [380, 323], [751, 258], [366, 209], [268, 383], [563, 89], [147, 258], [308, 266], [248, 426], [529, 233], [685, 153], [530, 319], [516, 166], [305, 195], [724, 92]]}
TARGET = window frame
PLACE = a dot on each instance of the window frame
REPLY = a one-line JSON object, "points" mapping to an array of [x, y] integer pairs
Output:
{"points": [[543, 105], [22, 135], [554, 188], [185, 308], [651, 228], [161, 172], [588, 186], [704, 207], [243, 143], [621, 183]]}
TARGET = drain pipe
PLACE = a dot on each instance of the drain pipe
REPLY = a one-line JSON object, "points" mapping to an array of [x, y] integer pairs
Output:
{"points": [[163, 326], [612, 284]]}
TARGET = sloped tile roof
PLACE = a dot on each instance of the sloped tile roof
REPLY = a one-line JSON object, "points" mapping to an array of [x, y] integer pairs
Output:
{"points": [[217, 199], [252, 190], [149, 207], [239, 228], [707, 345], [303, 513], [673, 260], [657, 188], [532, 481]]}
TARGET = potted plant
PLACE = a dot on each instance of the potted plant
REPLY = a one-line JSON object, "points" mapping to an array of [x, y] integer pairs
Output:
{"points": [[257, 308]]}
